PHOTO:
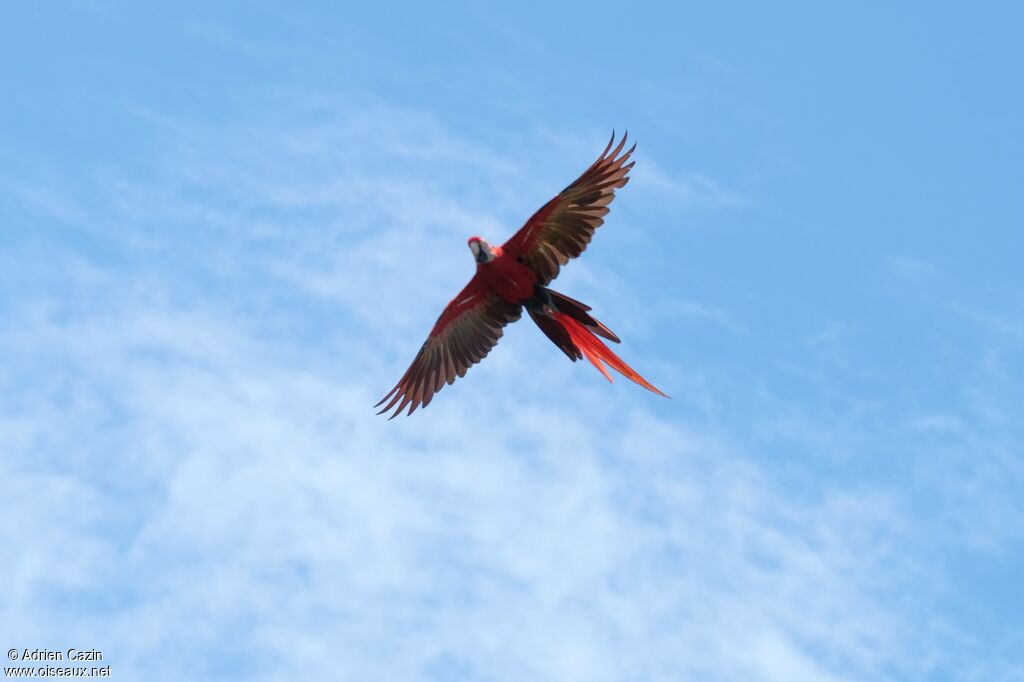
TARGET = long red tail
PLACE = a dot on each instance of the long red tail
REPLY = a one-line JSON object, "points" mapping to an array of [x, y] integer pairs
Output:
{"points": [[593, 349]]}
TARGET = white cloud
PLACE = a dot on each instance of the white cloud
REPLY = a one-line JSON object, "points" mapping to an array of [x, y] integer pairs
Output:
{"points": [[694, 190], [201, 490]]}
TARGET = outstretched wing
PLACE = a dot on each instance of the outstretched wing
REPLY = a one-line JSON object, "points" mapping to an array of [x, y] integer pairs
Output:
{"points": [[563, 227], [466, 331]]}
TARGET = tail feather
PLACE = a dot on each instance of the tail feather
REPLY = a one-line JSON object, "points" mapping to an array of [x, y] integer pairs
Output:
{"points": [[557, 333], [581, 313], [594, 350]]}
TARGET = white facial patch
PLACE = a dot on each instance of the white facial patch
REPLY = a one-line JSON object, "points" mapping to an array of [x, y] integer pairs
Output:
{"points": [[481, 251]]}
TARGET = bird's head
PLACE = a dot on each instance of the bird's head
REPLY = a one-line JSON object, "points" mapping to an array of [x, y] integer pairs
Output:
{"points": [[482, 251]]}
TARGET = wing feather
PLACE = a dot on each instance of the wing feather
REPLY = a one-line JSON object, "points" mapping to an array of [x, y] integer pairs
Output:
{"points": [[564, 226], [464, 334]]}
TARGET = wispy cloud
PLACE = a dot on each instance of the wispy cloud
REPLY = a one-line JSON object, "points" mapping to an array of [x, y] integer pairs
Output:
{"points": [[693, 190], [193, 464]]}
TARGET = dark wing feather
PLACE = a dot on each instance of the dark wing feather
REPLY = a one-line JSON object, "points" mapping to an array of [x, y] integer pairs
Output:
{"points": [[564, 226], [466, 331]]}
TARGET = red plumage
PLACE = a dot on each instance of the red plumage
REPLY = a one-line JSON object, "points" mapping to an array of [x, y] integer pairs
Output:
{"points": [[514, 276]]}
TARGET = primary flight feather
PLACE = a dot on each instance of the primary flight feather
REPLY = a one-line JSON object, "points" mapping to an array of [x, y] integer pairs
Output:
{"points": [[515, 276]]}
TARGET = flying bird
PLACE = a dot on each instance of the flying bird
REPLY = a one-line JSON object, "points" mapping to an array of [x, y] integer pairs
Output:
{"points": [[516, 275]]}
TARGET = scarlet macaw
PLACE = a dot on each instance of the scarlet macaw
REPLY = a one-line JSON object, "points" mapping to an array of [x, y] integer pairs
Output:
{"points": [[515, 275]]}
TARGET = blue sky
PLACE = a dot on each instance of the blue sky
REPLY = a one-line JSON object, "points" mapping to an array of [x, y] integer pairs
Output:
{"points": [[224, 232]]}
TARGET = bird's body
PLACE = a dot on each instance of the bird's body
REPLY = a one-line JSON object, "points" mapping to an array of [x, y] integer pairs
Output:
{"points": [[508, 277], [515, 276]]}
